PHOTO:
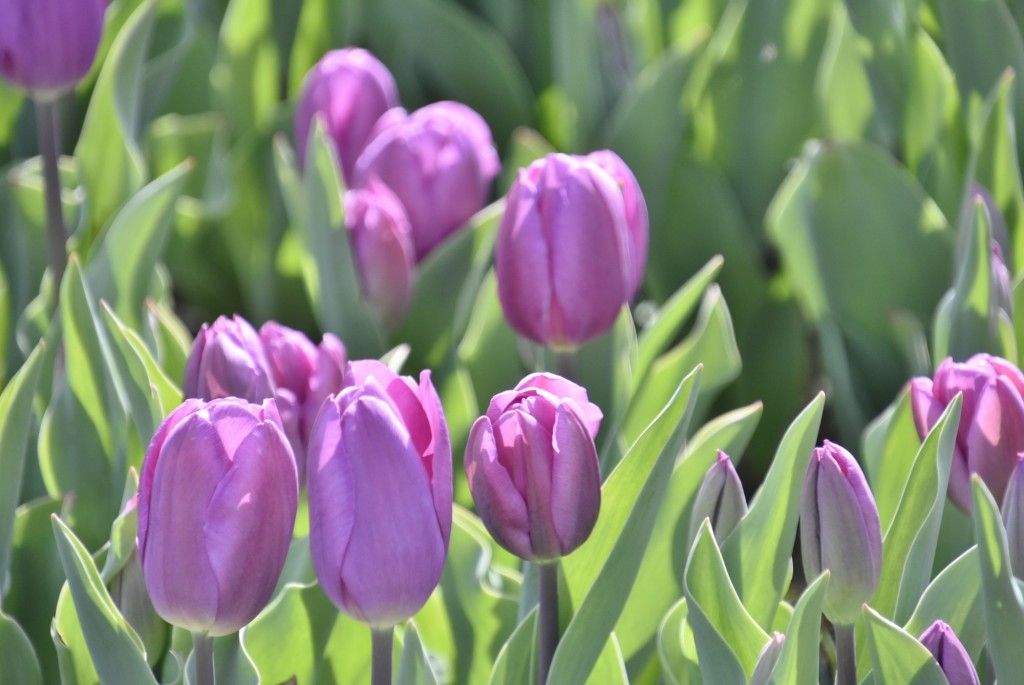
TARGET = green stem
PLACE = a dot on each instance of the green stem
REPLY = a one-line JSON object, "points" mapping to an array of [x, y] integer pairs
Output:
{"points": [[202, 654], [846, 656], [565, 364], [48, 125], [547, 617], [382, 640]]}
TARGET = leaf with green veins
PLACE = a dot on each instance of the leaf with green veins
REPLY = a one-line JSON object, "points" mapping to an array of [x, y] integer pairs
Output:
{"points": [[19, 659], [897, 656], [677, 650], [758, 551], [414, 667], [798, 661], [955, 597], [516, 663], [1001, 597], [728, 638]]}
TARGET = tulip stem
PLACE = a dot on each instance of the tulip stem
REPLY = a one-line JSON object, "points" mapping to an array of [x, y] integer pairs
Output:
{"points": [[547, 616], [48, 129], [846, 656], [202, 654], [565, 364], [382, 641]]}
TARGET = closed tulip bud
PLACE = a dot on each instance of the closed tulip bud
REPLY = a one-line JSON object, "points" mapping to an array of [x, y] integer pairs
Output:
{"points": [[217, 500], [840, 531], [947, 649], [1013, 517], [227, 360], [720, 499], [767, 659], [291, 358], [991, 429], [349, 89], [326, 380], [567, 259], [439, 162], [532, 467], [380, 494], [47, 46], [383, 248]]}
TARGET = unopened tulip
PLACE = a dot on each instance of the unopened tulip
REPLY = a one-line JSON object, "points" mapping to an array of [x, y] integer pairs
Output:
{"points": [[382, 244], [1013, 517], [991, 429], [227, 360], [380, 494], [292, 359], [47, 46], [567, 257], [217, 500], [840, 532], [327, 378], [767, 659], [719, 499], [439, 162], [947, 649], [532, 467], [349, 89]]}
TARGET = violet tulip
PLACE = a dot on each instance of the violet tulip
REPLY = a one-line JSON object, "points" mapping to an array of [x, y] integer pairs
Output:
{"points": [[991, 430], [47, 46], [227, 360], [326, 380], [719, 499], [568, 257], [217, 500], [947, 649], [382, 244], [349, 89], [380, 494], [840, 531], [532, 467], [439, 161], [291, 358]]}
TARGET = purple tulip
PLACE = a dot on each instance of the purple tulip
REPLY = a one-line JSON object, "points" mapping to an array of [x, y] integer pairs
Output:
{"points": [[326, 380], [719, 499], [350, 89], [292, 359], [947, 649], [1013, 517], [439, 161], [840, 531], [227, 360], [47, 46], [217, 500], [991, 429], [567, 258], [532, 467], [383, 247], [380, 494]]}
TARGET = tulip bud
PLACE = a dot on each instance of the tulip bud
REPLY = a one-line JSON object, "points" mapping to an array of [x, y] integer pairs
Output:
{"points": [[840, 531], [947, 649], [350, 89], [217, 500], [567, 258], [380, 494], [991, 429], [326, 380], [767, 659], [227, 360], [532, 467], [291, 358], [383, 249], [719, 499], [47, 46], [1013, 517], [439, 162]]}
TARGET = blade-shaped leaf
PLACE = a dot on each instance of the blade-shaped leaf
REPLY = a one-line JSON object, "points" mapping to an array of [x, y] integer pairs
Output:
{"points": [[516, 663], [955, 597], [16, 654], [677, 650], [414, 665], [798, 662]]}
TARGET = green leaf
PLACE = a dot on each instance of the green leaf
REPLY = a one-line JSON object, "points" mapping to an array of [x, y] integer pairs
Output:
{"points": [[727, 636], [171, 339], [600, 574], [577, 94], [1004, 606], [798, 661], [891, 444], [677, 650], [414, 666], [16, 654], [246, 76], [516, 664], [758, 550], [955, 597], [897, 657], [323, 25], [116, 650]]}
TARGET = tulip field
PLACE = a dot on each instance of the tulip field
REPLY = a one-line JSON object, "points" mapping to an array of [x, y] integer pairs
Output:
{"points": [[511, 342]]}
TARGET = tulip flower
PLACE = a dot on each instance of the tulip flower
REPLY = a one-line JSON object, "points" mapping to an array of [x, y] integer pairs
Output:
{"points": [[767, 659], [47, 46], [840, 531], [567, 257], [227, 360], [719, 499], [1013, 517], [947, 649], [532, 467], [439, 162], [383, 248], [292, 359], [216, 509], [349, 89], [380, 494], [991, 429], [326, 379]]}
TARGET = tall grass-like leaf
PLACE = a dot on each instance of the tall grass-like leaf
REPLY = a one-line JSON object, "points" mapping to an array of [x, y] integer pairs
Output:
{"points": [[798, 662], [677, 651], [516, 662], [414, 665], [19, 659], [897, 656], [955, 597]]}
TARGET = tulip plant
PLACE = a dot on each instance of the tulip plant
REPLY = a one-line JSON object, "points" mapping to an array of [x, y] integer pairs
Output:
{"points": [[436, 342]]}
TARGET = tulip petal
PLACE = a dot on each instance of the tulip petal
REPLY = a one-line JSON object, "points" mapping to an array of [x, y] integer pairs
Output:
{"points": [[575, 480], [438, 456], [501, 505], [563, 389], [996, 435], [926, 409]]}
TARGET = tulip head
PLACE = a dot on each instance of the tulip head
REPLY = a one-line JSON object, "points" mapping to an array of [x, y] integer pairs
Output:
{"points": [[227, 360], [439, 162], [947, 649], [380, 494], [383, 247], [217, 499], [567, 257], [349, 89], [991, 429], [47, 46], [291, 358], [532, 467], [719, 499], [840, 531], [326, 379]]}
